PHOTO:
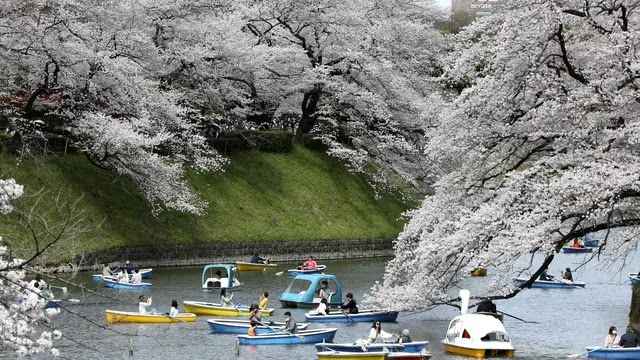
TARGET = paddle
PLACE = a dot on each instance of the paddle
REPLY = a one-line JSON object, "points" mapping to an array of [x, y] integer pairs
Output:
{"points": [[173, 317], [301, 337], [573, 356], [566, 282], [517, 318], [279, 273], [347, 315]]}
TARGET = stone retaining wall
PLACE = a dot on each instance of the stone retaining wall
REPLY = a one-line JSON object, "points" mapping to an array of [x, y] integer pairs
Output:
{"points": [[283, 251]]}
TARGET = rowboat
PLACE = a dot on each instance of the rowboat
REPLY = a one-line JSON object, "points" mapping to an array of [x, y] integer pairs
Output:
{"points": [[52, 304], [119, 317], [301, 337], [634, 278], [424, 355], [221, 276], [303, 291], [125, 286], [364, 346], [477, 335], [329, 355], [205, 308], [362, 316], [606, 352], [232, 326], [576, 250], [247, 266], [552, 284], [317, 270], [479, 272], [146, 274]]}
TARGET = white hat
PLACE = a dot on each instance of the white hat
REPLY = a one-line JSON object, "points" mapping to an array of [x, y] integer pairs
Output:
{"points": [[127, 261], [405, 332]]}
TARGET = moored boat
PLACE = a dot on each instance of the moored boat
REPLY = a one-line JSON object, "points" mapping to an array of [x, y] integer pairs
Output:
{"points": [[477, 335], [329, 355], [303, 291], [317, 270], [370, 315], [479, 272], [125, 286], [576, 250], [206, 308], [221, 276], [145, 273], [425, 355], [247, 266], [613, 352], [634, 278], [233, 326], [364, 346], [552, 284], [301, 337], [120, 317]]}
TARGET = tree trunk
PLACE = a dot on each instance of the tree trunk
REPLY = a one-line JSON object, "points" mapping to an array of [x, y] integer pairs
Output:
{"points": [[309, 107], [634, 311]]}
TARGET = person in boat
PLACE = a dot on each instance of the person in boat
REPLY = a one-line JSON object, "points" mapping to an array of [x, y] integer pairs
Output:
{"points": [[629, 339], [254, 313], [376, 334], [264, 300], [310, 264], [225, 299], [136, 277], [128, 266], [123, 277], [577, 244], [404, 337], [37, 283], [350, 305], [252, 328], [323, 307], [290, 325], [545, 277], [174, 308], [612, 338], [487, 306], [143, 303], [106, 271], [300, 266], [323, 293], [567, 275], [255, 259], [217, 275]]}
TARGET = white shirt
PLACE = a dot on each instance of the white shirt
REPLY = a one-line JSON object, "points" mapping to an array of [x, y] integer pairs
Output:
{"points": [[142, 306], [322, 309], [173, 311], [136, 278], [375, 337]]}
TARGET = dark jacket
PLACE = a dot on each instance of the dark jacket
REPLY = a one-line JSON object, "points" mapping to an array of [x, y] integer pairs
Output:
{"points": [[351, 305], [629, 339], [291, 326]]}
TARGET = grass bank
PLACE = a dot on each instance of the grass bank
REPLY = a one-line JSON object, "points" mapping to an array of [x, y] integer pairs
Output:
{"points": [[303, 195]]}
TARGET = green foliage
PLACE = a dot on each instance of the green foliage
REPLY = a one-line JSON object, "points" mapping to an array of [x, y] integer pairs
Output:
{"points": [[303, 195]]}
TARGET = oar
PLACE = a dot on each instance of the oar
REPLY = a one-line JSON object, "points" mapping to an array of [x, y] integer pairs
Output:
{"points": [[173, 317], [301, 337], [573, 356], [279, 273], [347, 315], [567, 282], [517, 318]]}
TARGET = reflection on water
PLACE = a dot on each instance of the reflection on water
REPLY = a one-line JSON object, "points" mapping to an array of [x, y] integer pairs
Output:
{"points": [[563, 321]]}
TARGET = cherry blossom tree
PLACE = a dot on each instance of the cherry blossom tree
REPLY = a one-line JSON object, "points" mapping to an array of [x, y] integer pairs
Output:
{"points": [[537, 146]]}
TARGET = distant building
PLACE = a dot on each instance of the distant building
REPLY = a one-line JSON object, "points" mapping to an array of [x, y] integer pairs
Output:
{"points": [[474, 8]]}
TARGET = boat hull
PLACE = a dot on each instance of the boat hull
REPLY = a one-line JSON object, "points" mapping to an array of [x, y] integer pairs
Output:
{"points": [[301, 337], [479, 272], [412, 347], [572, 250], [328, 355], [125, 286], [634, 278], [408, 356], [555, 284], [613, 353], [146, 274], [245, 266], [362, 316], [478, 353], [317, 270], [124, 317], [242, 326], [52, 304], [204, 308]]}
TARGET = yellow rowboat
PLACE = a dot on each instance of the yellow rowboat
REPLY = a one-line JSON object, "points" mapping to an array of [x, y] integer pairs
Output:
{"points": [[479, 353], [479, 272], [245, 266], [343, 355], [205, 308], [120, 317]]}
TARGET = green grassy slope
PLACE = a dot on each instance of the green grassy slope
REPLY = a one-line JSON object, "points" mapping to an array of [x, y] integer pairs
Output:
{"points": [[303, 195]]}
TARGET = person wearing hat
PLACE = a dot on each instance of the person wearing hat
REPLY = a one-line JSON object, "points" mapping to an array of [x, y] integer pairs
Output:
{"points": [[404, 337], [290, 325], [128, 266]]}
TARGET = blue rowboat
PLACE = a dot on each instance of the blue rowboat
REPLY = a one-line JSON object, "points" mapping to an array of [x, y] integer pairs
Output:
{"points": [[613, 353], [411, 347], [301, 337], [634, 278], [552, 284], [319, 269], [362, 316], [52, 304], [146, 274], [232, 326], [573, 250], [125, 286], [303, 290]]}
